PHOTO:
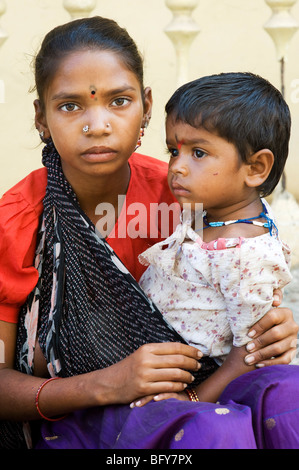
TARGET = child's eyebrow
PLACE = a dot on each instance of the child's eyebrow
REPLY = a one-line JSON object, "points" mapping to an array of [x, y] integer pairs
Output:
{"points": [[195, 141]]}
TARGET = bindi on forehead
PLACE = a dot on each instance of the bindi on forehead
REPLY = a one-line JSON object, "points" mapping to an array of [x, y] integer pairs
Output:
{"points": [[93, 91], [180, 143]]}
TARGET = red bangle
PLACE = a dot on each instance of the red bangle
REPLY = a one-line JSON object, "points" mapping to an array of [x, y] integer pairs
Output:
{"points": [[37, 398], [192, 395]]}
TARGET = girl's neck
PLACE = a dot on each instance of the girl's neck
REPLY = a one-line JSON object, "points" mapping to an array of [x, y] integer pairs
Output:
{"points": [[105, 190]]}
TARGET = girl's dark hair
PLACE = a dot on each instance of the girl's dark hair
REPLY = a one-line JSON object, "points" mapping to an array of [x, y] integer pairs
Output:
{"points": [[88, 33], [242, 108]]}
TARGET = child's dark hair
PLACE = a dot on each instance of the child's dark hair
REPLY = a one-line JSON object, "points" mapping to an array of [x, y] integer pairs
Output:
{"points": [[242, 108], [87, 33]]}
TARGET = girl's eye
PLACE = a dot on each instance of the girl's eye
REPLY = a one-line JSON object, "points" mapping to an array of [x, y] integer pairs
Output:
{"points": [[69, 107], [118, 102], [197, 153]]}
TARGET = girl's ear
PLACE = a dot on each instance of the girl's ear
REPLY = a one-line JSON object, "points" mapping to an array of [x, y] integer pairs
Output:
{"points": [[259, 167], [40, 120], [148, 104]]}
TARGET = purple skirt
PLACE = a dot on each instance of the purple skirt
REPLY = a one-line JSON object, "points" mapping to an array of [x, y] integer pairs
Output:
{"points": [[259, 410]]}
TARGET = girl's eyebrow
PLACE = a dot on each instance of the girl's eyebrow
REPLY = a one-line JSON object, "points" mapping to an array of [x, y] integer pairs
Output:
{"points": [[120, 90], [65, 96], [74, 96]]}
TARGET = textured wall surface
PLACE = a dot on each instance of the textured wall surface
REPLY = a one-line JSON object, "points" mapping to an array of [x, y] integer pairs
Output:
{"points": [[231, 38]]}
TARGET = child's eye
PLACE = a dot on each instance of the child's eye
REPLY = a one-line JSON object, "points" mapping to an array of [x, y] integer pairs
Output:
{"points": [[69, 107], [118, 102], [173, 152], [197, 153]]}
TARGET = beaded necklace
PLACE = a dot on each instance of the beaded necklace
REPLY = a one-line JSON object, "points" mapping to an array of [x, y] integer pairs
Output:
{"points": [[251, 220]]}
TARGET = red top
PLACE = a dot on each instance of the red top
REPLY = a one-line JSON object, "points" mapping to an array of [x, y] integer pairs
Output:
{"points": [[22, 205]]}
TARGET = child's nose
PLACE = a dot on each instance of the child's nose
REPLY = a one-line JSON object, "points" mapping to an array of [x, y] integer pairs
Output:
{"points": [[179, 165]]}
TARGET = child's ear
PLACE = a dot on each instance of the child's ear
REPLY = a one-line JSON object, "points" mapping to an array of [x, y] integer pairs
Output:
{"points": [[259, 167], [40, 120]]}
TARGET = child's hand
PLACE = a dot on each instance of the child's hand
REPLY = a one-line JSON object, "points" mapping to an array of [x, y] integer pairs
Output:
{"points": [[161, 396]]}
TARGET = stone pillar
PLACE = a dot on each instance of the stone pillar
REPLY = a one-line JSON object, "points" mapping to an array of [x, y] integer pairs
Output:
{"points": [[182, 30], [79, 8], [281, 27]]}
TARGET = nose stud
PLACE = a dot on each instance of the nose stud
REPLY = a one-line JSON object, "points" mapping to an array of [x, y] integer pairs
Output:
{"points": [[86, 128]]}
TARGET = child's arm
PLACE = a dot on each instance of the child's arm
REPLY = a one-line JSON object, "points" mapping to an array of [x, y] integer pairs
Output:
{"points": [[247, 287], [259, 266], [233, 367], [211, 389]]}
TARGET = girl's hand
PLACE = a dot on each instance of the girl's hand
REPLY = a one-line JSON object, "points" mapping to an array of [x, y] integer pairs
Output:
{"points": [[274, 337], [161, 396], [151, 370]]}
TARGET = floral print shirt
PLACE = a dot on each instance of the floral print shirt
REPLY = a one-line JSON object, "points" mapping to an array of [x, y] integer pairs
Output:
{"points": [[212, 293]]}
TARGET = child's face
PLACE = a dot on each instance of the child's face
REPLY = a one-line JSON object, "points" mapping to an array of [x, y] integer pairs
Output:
{"points": [[94, 89], [203, 168]]}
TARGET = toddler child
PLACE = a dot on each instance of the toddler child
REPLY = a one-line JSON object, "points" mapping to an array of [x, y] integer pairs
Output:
{"points": [[228, 137]]}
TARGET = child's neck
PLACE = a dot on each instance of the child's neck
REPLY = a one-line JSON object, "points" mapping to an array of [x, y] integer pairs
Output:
{"points": [[241, 210]]}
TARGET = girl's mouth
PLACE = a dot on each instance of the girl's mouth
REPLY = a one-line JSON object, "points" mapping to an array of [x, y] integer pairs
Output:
{"points": [[99, 154]]}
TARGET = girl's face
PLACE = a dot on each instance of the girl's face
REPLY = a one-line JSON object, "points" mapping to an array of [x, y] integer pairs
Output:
{"points": [[204, 168], [93, 88]]}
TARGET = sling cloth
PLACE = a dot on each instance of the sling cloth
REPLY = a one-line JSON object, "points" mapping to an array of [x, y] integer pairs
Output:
{"points": [[86, 310]]}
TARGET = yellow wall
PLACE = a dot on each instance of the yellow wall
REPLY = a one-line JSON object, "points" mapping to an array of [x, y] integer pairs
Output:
{"points": [[232, 38]]}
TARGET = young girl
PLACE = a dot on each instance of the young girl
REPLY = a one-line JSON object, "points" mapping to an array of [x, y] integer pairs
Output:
{"points": [[69, 308], [228, 138]]}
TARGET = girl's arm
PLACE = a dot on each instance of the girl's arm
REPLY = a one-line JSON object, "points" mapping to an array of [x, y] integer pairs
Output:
{"points": [[273, 339], [149, 370]]}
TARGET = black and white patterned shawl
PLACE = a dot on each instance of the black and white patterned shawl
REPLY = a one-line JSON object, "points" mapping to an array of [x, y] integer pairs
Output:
{"points": [[87, 311], [91, 311]]}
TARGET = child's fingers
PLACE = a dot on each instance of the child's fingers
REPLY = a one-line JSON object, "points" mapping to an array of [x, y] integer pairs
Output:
{"points": [[166, 396], [160, 388], [141, 401]]}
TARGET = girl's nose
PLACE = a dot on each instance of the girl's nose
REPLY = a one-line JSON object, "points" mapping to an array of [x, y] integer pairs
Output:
{"points": [[100, 122]]}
